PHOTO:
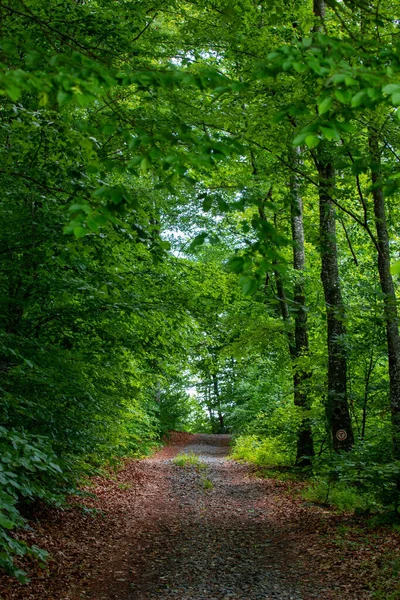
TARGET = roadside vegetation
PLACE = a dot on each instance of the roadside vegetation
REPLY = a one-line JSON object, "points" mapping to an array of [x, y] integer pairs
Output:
{"points": [[188, 460]]}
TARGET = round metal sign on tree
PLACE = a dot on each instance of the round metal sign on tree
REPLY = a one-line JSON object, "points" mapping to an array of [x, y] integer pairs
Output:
{"points": [[341, 435]]}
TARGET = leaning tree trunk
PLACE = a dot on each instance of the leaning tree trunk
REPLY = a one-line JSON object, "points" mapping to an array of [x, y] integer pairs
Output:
{"points": [[387, 286], [305, 446], [337, 407]]}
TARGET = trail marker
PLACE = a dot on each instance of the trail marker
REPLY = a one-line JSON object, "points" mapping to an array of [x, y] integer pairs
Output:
{"points": [[341, 435]]}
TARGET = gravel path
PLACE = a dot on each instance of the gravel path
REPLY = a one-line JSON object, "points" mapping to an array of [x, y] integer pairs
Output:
{"points": [[194, 543], [156, 531]]}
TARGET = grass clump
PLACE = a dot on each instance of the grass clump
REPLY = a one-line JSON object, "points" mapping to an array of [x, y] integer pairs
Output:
{"points": [[207, 484], [188, 460]]}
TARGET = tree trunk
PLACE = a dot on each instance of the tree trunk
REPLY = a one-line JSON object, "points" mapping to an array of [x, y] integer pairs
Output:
{"points": [[284, 310], [218, 403], [337, 408], [368, 373], [298, 343], [305, 446], [386, 281]]}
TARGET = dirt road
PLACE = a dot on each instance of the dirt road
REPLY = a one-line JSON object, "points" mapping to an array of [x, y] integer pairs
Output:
{"points": [[212, 536], [158, 531], [209, 533]]}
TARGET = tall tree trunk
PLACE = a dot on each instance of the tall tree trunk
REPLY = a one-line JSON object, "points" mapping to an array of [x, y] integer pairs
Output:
{"points": [[218, 403], [305, 446], [337, 407], [386, 281], [298, 343], [207, 396], [368, 373]]}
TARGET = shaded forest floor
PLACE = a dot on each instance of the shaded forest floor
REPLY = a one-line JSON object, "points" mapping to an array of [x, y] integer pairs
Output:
{"points": [[158, 531]]}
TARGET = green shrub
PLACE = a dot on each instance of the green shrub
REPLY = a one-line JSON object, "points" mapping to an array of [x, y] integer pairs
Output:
{"points": [[29, 471], [339, 495], [370, 475], [264, 452]]}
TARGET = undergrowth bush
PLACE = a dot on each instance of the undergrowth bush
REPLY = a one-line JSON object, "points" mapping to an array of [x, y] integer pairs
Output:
{"points": [[29, 471], [363, 479], [339, 495], [264, 452]]}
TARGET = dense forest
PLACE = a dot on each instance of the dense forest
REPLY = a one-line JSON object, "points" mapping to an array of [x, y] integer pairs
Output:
{"points": [[200, 208]]}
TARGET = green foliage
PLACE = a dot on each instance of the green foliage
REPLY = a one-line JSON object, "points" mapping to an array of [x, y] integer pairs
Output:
{"points": [[207, 484], [365, 478], [29, 471], [264, 452], [147, 157], [176, 407], [188, 460], [341, 496]]}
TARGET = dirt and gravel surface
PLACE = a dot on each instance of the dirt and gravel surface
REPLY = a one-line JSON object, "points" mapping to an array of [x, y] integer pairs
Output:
{"points": [[157, 531], [213, 543]]}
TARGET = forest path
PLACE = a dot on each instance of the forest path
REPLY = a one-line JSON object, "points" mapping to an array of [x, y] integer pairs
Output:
{"points": [[192, 543], [153, 531]]}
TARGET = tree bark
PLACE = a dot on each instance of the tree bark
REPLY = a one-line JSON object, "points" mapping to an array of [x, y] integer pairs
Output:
{"points": [[305, 446], [297, 342], [387, 286], [218, 403], [337, 408]]}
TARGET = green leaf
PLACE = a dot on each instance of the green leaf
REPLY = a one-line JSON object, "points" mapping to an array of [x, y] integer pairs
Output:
{"points": [[344, 96], [396, 99], [165, 245], [236, 264], [330, 132], [5, 522], [249, 286], [14, 92], [346, 126], [79, 207], [198, 240], [312, 141], [357, 100], [324, 106], [63, 97], [299, 139], [207, 203], [145, 164], [80, 232], [392, 88], [395, 268]]}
